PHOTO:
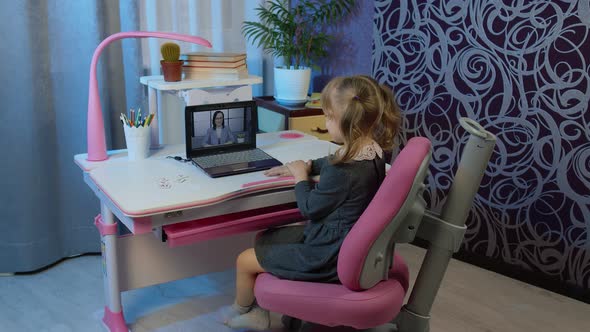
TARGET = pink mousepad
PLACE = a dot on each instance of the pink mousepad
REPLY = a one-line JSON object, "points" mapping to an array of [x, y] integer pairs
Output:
{"points": [[290, 135]]}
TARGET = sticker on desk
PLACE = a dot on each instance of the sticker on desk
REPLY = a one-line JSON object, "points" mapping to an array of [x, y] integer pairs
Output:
{"points": [[180, 178], [165, 183]]}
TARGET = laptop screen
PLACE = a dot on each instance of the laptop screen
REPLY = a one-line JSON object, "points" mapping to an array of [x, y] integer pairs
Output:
{"points": [[218, 128]]}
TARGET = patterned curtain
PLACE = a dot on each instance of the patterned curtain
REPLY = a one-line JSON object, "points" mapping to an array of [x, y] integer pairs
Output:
{"points": [[521, 69]]}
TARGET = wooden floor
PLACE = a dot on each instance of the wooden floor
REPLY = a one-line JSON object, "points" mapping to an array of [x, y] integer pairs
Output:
{"points": [[68, 297]]}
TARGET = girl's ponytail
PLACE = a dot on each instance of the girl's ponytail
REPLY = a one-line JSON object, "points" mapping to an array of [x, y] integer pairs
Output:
{"points": [[364, 109], [389, 126]]}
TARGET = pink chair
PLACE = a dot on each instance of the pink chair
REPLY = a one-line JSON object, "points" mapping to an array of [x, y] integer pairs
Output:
{"points": [[374, 280]]}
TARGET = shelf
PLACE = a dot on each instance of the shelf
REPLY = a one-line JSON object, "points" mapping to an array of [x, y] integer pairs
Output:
{"points": [[273, 116], [270, 103], [157, 82]]}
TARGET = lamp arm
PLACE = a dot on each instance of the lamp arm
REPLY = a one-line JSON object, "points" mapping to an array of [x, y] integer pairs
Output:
{"points": [[95, 124]]}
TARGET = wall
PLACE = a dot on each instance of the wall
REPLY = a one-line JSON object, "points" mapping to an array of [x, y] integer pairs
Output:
{"points": [[522, 70], [350, 51]]}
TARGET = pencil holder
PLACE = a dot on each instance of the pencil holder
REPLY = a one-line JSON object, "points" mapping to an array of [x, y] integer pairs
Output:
{"points": [[138, 142]]}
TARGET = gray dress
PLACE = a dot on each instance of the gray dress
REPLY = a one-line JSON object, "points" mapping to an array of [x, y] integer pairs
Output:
{"points": [[310, 252]]}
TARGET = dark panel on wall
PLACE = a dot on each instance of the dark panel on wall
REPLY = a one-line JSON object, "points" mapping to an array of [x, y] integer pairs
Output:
{"points": [[521, 69]]}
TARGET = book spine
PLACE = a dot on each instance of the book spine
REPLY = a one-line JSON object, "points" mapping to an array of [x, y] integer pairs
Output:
{"points": [[213, 59], [211, 64], [215, 76], [213, 70]]}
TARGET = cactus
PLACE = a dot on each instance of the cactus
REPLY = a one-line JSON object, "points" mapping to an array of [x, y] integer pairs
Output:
{"points": [[170, 52]]}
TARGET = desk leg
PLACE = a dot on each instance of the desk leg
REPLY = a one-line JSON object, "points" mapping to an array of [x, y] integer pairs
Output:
{"points": [[113, 313]]}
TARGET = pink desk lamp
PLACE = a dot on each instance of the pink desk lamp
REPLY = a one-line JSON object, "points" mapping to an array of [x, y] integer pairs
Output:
{"points": [[95, 126]]}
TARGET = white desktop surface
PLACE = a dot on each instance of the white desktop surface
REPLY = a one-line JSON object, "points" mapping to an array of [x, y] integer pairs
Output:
{"points": [[159, 184]]}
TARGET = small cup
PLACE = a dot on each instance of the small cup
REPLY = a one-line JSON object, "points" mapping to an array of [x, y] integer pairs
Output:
{"points": [[138, 142]]}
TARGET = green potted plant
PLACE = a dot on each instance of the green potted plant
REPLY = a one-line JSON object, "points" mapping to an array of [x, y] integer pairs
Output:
{"points": [[297, 35], [171, 65], [241, 137]]}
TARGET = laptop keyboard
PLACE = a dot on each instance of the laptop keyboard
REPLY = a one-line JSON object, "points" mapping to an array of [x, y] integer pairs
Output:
{"points": [[231, 158]]}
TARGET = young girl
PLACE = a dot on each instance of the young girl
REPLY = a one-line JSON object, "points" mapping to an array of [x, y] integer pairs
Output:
{"points": [[364, 118]]}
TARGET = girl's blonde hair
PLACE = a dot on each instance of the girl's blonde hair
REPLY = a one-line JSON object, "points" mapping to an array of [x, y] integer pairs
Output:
{"points": [[364, 109]]}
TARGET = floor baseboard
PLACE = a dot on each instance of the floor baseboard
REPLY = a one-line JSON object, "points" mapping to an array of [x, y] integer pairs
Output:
{"points": [[534, 278]]}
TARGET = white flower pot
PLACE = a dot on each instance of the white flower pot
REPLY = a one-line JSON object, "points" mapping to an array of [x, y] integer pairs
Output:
{"points": [[291, 85]]}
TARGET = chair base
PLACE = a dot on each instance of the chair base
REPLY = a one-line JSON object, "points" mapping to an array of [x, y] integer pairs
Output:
{"points": [[408, 321], [290, 323], [312, 327]]}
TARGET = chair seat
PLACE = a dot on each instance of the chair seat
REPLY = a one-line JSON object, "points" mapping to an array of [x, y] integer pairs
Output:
{"points": [[334, 304]]}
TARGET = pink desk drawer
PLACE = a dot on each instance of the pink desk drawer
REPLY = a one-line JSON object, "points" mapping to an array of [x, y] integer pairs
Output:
{"points": [[246, 221]]}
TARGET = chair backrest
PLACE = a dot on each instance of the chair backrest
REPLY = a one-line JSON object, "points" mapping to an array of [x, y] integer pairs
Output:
{"points": [[367, 251]]}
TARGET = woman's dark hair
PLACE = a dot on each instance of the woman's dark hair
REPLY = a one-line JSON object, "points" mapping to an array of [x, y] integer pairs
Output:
{"points": [[213, 120]]}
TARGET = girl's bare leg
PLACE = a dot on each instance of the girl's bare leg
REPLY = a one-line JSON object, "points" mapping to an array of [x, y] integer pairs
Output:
{"points": [[254, 317], [247, 269]]}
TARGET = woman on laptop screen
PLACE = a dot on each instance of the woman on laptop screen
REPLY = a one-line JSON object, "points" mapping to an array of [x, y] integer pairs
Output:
{"points": [[218, 133]]}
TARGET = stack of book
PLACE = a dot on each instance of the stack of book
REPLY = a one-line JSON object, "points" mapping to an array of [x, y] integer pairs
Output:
{"points": [[214, 66]]}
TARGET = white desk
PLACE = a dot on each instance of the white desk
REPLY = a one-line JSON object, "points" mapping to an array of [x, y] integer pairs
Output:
{"points": [[147, 195]]}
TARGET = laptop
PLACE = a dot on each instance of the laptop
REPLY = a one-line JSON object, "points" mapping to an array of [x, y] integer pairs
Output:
{"points": [[221, 139]]}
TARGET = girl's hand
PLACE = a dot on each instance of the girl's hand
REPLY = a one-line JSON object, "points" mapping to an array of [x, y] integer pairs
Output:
{"points": [[284, 170], [278, 171], [300, 169]]}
